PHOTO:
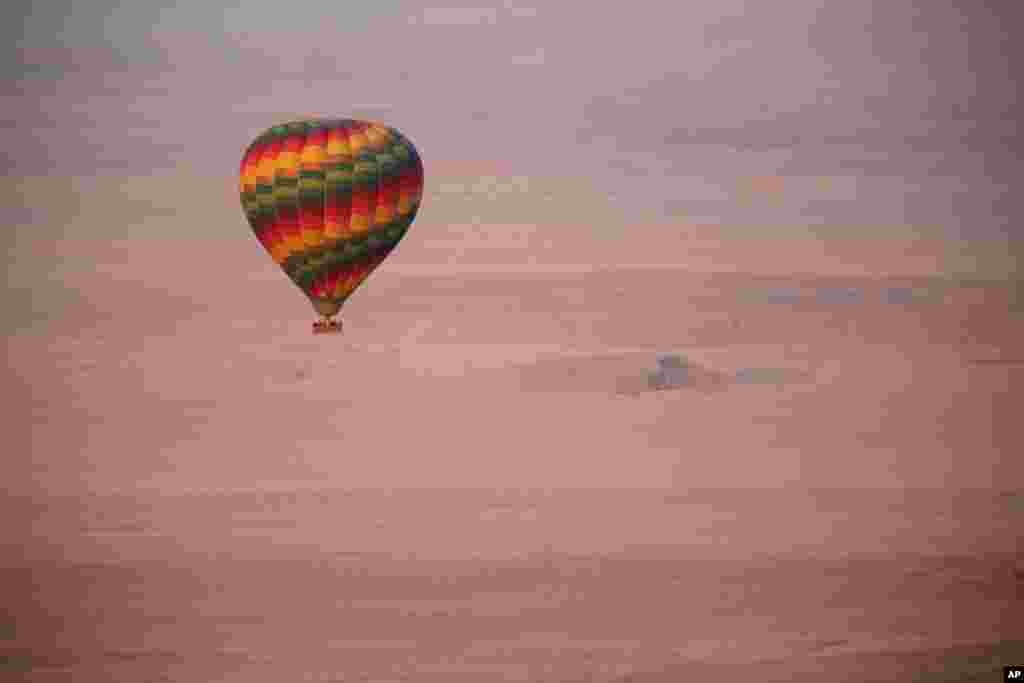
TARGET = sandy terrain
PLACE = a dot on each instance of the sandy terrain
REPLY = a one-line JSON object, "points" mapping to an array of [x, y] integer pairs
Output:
{"points": [[476, 481]]}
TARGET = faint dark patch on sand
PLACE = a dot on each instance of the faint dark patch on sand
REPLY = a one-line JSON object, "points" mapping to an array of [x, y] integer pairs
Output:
{"points": [[636, 373], [623, 374], [1012, 501], [134, 655], [997, 361], [19, 662], [25, 660], [8, 628], [829, 645], [770, 375]]}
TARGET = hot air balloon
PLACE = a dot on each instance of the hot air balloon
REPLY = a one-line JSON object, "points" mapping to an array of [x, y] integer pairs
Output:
{"points": [[329, 199]]}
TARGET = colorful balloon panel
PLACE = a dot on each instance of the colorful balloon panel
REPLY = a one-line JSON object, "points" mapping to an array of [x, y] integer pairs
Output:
{"points": [[329, 199]]}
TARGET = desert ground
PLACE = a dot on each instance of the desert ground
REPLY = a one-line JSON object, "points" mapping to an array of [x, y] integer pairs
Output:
{"points": [[479, 480]]}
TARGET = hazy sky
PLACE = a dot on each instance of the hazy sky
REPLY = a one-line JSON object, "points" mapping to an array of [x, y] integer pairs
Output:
{"points": [[909, 107]]}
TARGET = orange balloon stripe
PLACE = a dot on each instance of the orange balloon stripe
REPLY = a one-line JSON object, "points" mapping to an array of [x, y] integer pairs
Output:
{"points": [[322, 286], [247, 184], [410, 186], [268, 213], [387, 206], [387, 183], [353, 276], [356, 200], [332, 282], [362, 201], [338, 202], [378, 137], [359, 221], [356, 139], [247, 169], [286, 191], [311, 190], [341, 277]]}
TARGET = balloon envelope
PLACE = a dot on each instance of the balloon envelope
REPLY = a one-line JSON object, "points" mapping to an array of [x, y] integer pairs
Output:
{"points": [[329, 199]]}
